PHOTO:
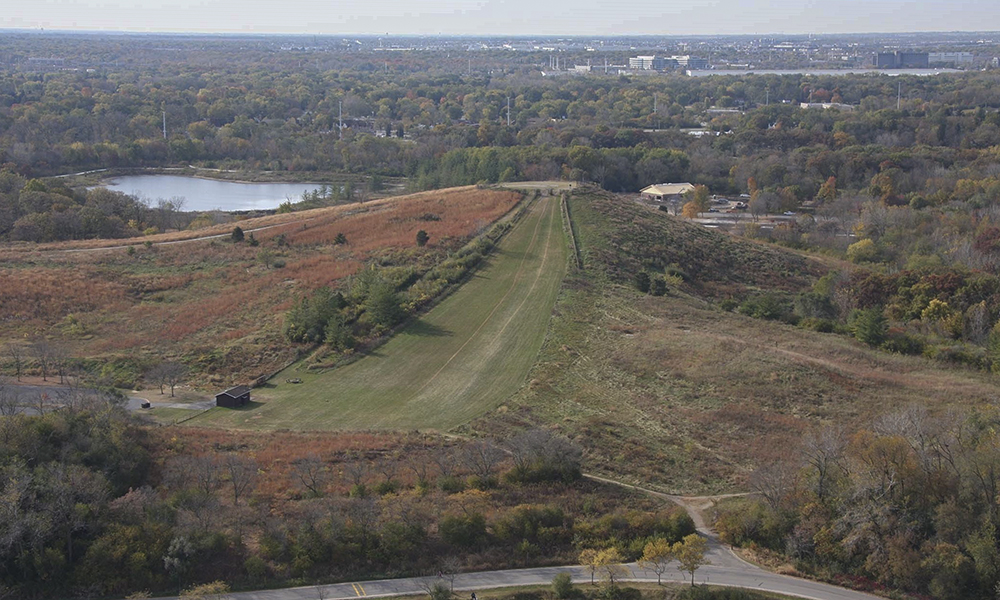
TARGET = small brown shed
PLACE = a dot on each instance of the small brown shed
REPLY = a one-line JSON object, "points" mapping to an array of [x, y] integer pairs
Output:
{"points": [[233, 397]]}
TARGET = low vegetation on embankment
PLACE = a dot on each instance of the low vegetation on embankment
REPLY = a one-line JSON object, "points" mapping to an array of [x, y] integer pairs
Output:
{"points": [[217, 305], [674, 390]]}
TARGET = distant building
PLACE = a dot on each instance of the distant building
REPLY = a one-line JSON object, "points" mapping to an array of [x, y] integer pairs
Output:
{"points": [[949, 58], [836, 105], [901, 60], [692, 63], [647, 63], [665, 191], [233, 397]]}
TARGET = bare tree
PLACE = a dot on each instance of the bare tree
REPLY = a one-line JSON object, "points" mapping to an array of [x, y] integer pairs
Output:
{"points": [[312, 473], [60, 362], [16, 353], [450, 568], [444, 459], [824, 452], [482, 457], [41, 350], [173, 374], [8, 400], [420, 467], [364, 514], [357, 469], [242, 474], [205, 472], [542, 449], [773, 481], [41, 402], [157, 376], [386, 466]]}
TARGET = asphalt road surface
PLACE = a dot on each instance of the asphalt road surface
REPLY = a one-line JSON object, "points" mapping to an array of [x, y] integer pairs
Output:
{"points": [[744, 575]]}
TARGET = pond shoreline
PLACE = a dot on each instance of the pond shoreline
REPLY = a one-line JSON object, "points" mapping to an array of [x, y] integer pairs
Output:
{"points": [[93, 177]]}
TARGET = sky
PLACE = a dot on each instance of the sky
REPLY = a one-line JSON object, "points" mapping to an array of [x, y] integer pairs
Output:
{"points": [[503, 17]]}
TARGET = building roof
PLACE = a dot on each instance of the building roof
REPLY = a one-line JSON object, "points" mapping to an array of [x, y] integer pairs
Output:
{"points": [[667, 189], [235, 392]]}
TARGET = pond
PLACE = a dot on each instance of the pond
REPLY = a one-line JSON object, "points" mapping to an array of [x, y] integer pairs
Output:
{"points": [[210, 194]]}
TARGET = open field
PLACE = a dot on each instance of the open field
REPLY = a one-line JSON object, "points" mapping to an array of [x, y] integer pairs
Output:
{"points": [[674, 391], [213, 303], [464, 357]]}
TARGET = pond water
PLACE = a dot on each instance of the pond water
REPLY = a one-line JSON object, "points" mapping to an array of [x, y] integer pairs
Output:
{"points": [[210, 194]]}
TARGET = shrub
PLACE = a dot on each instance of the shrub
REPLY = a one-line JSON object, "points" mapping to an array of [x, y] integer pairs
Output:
{"points": [[815, 305], [765, 306], [451, 484], [870, 326], [386, 487], [237, 235], [465, 531], [862, 251], [562, 586], [642, 281], [820, 325], [422, 238], [658, 287], [705, 593], [617, 592], [439, 591], [904, 343], [729, 304], [256, 568]]}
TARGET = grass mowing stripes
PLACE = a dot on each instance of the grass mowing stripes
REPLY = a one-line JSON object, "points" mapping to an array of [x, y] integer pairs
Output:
{"points": [[462, 358]]}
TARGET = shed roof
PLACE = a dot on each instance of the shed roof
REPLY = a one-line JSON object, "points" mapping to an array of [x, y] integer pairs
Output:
{"points": [[235, 392], [667, 189]]}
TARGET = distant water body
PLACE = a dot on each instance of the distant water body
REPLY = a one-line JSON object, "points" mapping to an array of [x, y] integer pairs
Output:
{"points": [[210, 194], [834, 72]]}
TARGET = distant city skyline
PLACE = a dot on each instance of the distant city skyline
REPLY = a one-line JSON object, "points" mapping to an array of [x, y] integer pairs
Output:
{"points": [[504, 17]]}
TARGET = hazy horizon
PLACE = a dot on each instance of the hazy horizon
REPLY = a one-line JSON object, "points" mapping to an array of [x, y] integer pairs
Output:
{"points": [[484, 18]]}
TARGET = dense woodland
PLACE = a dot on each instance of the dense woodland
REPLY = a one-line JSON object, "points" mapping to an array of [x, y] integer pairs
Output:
{"points": [[95, 504], [909, 502]]}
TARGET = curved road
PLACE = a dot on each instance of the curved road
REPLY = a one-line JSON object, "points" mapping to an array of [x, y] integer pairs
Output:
{"points": [[724, 569], [744, 576]]}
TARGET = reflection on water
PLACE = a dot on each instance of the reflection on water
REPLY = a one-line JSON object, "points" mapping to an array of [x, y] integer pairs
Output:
{"points": [[210, 194]]}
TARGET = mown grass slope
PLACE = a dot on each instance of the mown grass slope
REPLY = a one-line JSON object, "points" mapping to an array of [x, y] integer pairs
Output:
{"points": [[679, 394], [462, 358]]}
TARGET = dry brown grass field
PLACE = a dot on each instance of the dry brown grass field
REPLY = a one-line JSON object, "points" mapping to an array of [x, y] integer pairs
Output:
{"points": [[679, 394], [210, 301]]}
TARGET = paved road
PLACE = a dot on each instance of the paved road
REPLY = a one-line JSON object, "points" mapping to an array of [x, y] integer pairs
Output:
{"points": [[744, 576], [725, 569]]}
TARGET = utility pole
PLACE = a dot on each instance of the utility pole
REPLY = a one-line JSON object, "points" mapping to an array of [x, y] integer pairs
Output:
{"points": [[164, 122], [340, 119], [767, 97], [899, 94], [508, 111]]}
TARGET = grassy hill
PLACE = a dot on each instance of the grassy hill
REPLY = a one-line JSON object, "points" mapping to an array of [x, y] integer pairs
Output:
{"points": [[678, 393], [459, 360]]}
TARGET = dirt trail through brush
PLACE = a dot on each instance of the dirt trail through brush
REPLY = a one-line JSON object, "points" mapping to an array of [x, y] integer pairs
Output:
{"points": [[718, 553]]}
